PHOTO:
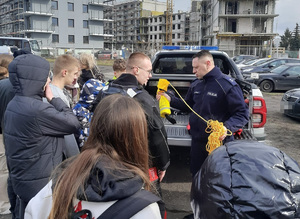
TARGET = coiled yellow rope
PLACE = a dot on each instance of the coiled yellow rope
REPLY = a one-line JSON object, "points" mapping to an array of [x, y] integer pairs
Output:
{"points": [[214, 127]]}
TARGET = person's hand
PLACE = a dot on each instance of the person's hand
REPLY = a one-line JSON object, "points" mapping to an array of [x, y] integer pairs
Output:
{"points": [[161, 174], [48, 93], [221, 138], [161, 93]]}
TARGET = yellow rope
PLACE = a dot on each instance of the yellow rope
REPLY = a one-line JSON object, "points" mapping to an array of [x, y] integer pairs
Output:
{"points": [[214, 127]]}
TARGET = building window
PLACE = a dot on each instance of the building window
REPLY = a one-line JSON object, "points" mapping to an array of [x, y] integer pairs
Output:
{"points": [[179, 17], [178, 36], [173, 36], [54, 5], [70, 22], [155, 28], [85, 9], [159, 27], [55, 38], [85, 24], [85, 39], [173, 26], [178, 26], [155, 37], [150, 37], [160, 19], [70, 6], [71, 38], [150, 28], [54, 21]]}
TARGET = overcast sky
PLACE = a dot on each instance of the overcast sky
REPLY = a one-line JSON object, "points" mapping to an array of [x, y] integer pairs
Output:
{"points": [[288, 10]]}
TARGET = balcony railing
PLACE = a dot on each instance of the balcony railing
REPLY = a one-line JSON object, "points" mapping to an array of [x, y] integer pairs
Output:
{"points": [[99, 3]]}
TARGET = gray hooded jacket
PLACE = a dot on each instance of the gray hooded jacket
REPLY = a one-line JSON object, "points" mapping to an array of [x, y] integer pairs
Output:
{"points": [[34, 130]]}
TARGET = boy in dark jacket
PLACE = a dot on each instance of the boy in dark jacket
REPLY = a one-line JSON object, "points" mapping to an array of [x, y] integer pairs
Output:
{"points": [[34, 130]]}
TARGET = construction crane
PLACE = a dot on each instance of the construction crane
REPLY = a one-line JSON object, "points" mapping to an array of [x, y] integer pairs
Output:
{"points": [[169, 19]]}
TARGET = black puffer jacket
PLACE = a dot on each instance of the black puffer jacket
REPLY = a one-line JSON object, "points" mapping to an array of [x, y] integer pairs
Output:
{"points": [[34, 130], [157, 135], [247, 179]]}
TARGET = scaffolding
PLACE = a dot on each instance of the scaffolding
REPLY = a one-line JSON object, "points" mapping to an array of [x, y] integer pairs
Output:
{"points": [[11, 20]]}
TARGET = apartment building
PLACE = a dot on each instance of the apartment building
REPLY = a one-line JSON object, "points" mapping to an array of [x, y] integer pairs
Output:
{"points": [[238, 26], [141, 25], [157, 29], [61, 25], [131, 24]]}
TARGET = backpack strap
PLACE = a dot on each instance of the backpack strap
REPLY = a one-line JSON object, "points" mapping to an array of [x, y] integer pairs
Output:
{"points": [[127, 207]]}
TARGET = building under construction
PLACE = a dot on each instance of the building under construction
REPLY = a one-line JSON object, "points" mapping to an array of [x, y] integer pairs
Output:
{"points": [[147, 25], [59, 25], [238, 26]]}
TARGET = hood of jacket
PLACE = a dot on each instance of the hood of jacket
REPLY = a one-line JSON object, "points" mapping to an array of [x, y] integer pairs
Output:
{"points": [[108, 182], [28, 74]]}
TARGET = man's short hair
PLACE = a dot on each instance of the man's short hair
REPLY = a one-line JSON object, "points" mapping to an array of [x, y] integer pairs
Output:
{"points": [[203, 53], [64, 62], [119, 65], [135, 58]]}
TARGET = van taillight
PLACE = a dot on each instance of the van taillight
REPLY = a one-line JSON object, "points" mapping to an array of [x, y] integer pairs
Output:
{"points": [[259, 112]]}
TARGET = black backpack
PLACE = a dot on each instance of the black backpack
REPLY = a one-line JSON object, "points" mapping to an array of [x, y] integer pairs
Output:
{"points": [[123, 208], [113, 88]]}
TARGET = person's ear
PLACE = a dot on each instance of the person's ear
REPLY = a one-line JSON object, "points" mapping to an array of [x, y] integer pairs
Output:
{"points": [[64, 72], [135, 71]]}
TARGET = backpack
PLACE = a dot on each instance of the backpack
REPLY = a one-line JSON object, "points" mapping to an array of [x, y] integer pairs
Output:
{"points": [[112, 88], [123, 208]]}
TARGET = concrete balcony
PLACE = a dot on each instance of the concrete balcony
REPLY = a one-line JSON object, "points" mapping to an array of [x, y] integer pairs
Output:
{"points": [[99, 3], [41, 13], [37, 30]]}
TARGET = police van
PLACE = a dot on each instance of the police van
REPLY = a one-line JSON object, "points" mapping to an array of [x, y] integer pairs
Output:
{"points": [[28, 44]]}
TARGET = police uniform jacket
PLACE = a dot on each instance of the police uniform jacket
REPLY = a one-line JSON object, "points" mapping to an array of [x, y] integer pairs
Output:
{"points": [[216, 97]]}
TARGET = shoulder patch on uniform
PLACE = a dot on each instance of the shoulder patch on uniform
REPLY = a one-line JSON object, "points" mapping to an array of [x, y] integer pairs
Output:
{"points": [[230, 80]]}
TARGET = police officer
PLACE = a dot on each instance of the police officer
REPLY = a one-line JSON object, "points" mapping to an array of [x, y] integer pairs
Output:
{"points": [[213, 95]]}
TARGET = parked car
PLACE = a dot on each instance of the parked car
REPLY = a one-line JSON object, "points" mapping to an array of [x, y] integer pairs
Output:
{"points": [[105, 54], [284, 77], [251, 62], [290, 103], [238, 59], [268, 66]]}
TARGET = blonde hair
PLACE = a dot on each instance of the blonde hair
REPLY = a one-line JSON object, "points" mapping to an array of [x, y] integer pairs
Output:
{"points": [[64, 62], [135, 59], [4, 62], [3, 73], [87, 60]]}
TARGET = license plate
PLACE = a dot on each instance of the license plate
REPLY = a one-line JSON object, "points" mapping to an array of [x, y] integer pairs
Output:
{"points": [[254, 75]]}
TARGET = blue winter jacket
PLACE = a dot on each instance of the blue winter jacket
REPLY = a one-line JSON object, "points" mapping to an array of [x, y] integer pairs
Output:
{"points": [[216, 97], [34, 130]]}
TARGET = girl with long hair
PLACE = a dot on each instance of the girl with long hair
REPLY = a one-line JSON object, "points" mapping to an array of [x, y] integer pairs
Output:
{"points": [[89, 69], [113, 165]]}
